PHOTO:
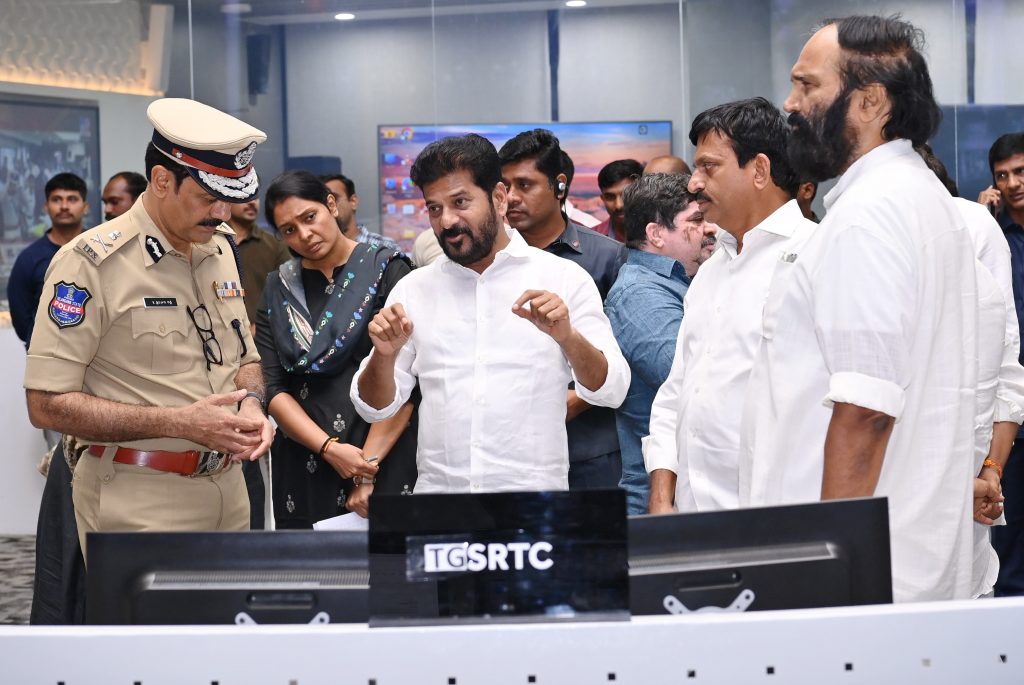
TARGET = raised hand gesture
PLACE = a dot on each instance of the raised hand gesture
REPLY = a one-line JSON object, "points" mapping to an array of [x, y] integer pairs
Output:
{"points": [[390, 330], [546, 311]]}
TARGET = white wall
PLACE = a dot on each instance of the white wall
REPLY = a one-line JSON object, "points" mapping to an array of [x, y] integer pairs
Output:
{"points": [[729, 52], [344, 80], [21, 485], [622, 63], [221, 80], [941, 20], [999, 71]]}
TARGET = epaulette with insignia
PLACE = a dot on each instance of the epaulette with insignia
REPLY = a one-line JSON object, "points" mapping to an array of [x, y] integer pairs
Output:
{"points": [[99, 243]]}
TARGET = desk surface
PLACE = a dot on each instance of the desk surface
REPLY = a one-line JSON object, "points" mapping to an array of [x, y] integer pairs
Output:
{"points": [[949, 642]]}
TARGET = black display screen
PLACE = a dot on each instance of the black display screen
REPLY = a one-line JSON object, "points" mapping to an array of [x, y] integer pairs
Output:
{"points": [[520, 556]]}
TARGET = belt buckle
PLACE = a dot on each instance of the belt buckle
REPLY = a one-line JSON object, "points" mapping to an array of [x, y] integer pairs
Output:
{"points": [[211, 463]]}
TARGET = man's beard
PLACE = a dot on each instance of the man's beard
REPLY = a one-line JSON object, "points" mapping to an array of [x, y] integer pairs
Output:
{"points": [[820, 144], [480, 245]]}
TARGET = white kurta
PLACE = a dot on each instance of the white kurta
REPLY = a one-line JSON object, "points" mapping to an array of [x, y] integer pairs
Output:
{"points": [[492, 416], [695, 422], [878, 311], [1000, 375]]}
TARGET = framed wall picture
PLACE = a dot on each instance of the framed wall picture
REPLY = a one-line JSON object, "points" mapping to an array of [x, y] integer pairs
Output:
{"points": [[39, 138]]}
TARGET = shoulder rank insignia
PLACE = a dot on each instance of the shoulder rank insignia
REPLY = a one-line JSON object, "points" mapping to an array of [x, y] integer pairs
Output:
{"points": [[85, 248], [67, 308], [228, 289]]}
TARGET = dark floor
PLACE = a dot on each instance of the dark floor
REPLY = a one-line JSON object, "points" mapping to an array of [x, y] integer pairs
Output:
{"points": [[17, 564]]}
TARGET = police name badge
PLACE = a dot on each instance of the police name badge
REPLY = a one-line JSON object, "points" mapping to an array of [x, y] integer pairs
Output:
{"points": [[67, 308]]}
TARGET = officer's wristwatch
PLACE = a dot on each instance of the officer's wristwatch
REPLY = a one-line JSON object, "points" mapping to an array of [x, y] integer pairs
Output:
{"points": [[259, 398]]}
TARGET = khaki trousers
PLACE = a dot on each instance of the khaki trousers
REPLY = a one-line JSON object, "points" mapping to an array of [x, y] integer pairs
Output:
{"points": [[121, 497]]}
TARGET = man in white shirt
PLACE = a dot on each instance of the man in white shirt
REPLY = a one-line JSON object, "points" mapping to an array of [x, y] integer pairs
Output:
{"points": [[493, 332], [866, 376], [1000, 374], [743, 182]]}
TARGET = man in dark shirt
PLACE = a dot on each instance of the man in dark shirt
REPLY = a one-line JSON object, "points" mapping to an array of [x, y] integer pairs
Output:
{"points": [[259, 252], [121, 192], [613, 179], [67, 207], [532, 170], [1005, 197]]}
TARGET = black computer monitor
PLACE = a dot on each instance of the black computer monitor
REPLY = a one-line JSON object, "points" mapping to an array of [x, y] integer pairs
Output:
{"points": [[510, 556], [791, 557], [211, 578]]}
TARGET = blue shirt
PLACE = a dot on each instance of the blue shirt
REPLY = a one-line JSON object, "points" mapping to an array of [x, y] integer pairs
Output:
{"points": [[1015, 239], [25, 284], [645, 308], [592, 433]]}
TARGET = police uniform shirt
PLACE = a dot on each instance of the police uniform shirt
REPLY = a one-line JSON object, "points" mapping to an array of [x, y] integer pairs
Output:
{"points": [[112, 320]]}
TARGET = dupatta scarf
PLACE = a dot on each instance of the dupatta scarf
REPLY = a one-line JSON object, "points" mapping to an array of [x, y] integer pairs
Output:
{"points": [[323, 346]]}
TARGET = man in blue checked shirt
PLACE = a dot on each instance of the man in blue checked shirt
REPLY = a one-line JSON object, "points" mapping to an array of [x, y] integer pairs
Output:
{"points": [[667, 240]]}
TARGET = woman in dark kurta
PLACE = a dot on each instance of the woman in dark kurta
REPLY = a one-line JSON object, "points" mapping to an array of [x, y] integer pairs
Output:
{"points": [[311, 334]]}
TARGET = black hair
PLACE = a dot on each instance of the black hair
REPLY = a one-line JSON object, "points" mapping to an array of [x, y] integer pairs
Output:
{"points": [[619, 170], [295, 183], [66, 181], [135, 181], [470, 152], [1006, 146], [654, 198], [753, 126], [540, 145], [156, 158], [887, 51], [937, 168], [350, 186]]}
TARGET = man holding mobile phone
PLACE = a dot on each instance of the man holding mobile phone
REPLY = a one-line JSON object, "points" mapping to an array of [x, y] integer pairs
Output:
{"points": [[1005, 199]]}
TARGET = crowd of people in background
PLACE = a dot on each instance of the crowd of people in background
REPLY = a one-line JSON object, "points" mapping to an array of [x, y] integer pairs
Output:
{"points": [[713, 344]]}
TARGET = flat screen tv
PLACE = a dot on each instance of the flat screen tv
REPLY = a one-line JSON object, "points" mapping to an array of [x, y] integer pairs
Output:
{"points": [[591, 145], [39, 138], [227, 578], [800, 556]]}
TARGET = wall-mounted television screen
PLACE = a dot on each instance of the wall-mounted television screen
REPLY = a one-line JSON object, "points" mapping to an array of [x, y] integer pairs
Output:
{"points": [[591, 145], [39, 138]]}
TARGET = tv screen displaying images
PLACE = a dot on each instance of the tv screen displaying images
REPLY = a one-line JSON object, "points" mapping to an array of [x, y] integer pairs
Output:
{"points": [[39, 138], [591, 145]]}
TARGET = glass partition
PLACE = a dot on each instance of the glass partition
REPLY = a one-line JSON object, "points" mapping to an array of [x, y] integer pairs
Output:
{"points": [[322, 76]]}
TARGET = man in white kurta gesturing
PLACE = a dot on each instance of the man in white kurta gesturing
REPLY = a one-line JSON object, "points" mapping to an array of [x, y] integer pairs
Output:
{"points": [[492, 332]]}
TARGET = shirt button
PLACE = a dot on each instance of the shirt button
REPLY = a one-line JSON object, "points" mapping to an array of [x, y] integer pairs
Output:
{"points": [[163, 328]]}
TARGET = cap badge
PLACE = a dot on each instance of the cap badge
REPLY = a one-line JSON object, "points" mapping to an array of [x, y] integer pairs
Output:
{"points": [[244, 156]]}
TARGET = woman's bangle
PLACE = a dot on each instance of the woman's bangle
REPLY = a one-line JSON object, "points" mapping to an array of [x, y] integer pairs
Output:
{"points": [[993, 465], [327, 443]]}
